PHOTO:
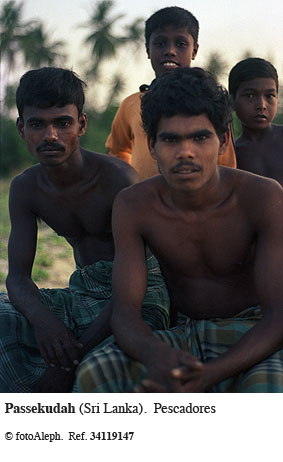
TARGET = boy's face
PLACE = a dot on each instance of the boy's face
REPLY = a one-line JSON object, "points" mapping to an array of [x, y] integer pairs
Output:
{"points": [[186, 150], [52, 134], [256, 102], [171, 48]]}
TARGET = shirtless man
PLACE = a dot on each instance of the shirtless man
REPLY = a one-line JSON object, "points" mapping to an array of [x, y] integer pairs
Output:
{"points": [[253, 84], [72, 190], [218, 235]]}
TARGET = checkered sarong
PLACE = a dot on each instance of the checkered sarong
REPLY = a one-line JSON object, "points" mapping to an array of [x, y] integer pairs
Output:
{"points": [[108, 369], [89, 290]]}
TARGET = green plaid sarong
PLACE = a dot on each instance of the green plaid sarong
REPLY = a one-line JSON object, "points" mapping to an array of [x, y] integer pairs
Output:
{"points": [[89, 290], [108, 369]]}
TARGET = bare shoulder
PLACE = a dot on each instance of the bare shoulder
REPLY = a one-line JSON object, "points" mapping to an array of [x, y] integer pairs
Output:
{"points": [[25, 182], [111, 171], [140, 197], [253, 192], [277, 130]]}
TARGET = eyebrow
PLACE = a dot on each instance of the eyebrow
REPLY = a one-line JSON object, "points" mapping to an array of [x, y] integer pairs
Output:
{"points": [[193, 134], [40, 119], [164, 35], [255, 89]]}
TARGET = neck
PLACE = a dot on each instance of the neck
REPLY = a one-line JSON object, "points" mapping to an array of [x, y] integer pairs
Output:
{"points": [[206, 196], [68, 173], [255, 134]]}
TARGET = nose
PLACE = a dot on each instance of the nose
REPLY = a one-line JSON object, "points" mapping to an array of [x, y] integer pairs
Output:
{"points": [[185, 150], [170, 49], [261, 103], [50, 134]]}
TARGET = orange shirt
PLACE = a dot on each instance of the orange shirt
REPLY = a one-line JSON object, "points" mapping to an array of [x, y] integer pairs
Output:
{"points": [[128, 141]]}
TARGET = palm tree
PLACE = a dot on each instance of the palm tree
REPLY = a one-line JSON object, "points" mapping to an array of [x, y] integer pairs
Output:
{"points": [[103, 41], [36, 48], [117, 85], [12, 28], [134, 32], [216, 65], [28, 40], [22, 43]]}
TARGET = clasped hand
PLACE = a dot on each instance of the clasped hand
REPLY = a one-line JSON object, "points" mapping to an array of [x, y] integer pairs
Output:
{"points": [[57, 344], [175, 372]]}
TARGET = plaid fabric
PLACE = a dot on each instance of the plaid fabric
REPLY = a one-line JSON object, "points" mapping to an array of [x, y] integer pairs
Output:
{"points": [[108, 369], [89, 290]]}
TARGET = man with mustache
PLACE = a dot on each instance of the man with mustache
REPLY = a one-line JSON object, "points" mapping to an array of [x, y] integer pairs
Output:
{"points": [[45, 333], [217, 233]]}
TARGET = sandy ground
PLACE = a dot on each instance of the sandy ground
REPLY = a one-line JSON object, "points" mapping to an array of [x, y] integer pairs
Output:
{"points": [[59, 272]]}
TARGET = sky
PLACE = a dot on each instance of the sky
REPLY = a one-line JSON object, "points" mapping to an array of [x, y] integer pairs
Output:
{"points": [[230, 27]]}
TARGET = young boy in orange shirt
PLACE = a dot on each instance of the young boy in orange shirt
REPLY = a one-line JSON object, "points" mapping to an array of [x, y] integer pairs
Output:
{"points": [[171, 40]]}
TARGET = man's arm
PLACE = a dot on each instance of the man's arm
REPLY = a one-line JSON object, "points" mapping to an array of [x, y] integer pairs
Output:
{"points": [[132, 334], [56, 342]]}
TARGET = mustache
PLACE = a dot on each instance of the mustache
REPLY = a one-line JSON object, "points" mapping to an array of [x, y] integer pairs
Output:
{"points": [[181, 164], [54, 146]]}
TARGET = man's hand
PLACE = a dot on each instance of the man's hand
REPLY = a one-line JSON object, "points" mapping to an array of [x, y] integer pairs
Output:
{"points": [[56, 380], [57, 344], [179, 372]]}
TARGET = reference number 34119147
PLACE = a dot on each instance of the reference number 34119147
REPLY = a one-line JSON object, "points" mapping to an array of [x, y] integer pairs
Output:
{"points": [[107, 436]]}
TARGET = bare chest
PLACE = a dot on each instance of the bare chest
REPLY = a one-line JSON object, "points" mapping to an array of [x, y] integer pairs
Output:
{"points": [[210, 247], [265, 160], [75, 217]]}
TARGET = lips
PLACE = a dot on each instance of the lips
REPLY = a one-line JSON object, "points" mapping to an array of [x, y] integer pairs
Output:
{"points": [[50, 148], [260, 117], [170, 64], [185, 170]]}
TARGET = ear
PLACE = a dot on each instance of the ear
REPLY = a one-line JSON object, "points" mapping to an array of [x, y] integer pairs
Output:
{"points": [[147, 51], [195, 51], [20, 127], [151, 147], [82, 124], [224, 141]]}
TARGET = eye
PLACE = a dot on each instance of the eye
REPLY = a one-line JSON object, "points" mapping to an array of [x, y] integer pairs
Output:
{"points": [[158, 43], [63, 123], [270, 96], [200, 137], [181, 44], [170, 139], [35, 124], [249, 95]]}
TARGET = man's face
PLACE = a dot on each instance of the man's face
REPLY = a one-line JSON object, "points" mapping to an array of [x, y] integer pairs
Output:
{"points": [[52, 134], [171, 48], [186, 150], [256, 102]]}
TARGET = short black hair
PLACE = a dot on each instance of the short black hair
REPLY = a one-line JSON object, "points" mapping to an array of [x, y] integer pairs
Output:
{"points": [[50, 86], [189, 92], [249, 69], [172, 16]]}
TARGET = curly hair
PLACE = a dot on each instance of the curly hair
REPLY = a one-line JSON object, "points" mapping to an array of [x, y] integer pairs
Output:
{"points": [[189, 92]]}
